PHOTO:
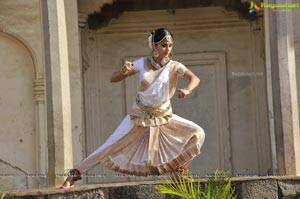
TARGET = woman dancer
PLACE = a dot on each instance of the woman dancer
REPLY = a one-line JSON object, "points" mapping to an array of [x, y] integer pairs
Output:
{"points": [[151, 140]]}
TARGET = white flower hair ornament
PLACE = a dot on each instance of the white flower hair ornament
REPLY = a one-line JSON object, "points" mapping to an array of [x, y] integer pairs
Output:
{"points": [[150, 41]]}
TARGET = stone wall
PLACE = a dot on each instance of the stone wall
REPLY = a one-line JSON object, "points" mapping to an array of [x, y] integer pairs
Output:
{"points": [[247, 188]]}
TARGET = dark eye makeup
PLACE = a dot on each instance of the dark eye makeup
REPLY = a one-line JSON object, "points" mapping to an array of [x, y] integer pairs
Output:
{"points": [[165, 45]]}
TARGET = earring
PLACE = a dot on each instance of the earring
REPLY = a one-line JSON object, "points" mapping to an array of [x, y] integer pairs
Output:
{"points": [[155, 53], [171, 55]]}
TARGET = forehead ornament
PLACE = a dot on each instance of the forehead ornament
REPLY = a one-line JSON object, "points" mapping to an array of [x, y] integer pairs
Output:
{"points": [[168, 37]]}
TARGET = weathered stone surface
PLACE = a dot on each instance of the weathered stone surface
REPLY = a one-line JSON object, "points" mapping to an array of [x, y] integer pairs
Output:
{"points": [[135, 192], [247, 188], [264, 189], [289, 188], [96, 193], [99, 193], [172, 197]]}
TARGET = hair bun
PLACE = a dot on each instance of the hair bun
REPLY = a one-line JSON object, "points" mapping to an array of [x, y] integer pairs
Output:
{"points": [[160, 34]]}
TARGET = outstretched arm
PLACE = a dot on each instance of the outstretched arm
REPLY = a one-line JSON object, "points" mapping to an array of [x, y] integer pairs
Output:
{"points": [[125, 71], [193, 83]]}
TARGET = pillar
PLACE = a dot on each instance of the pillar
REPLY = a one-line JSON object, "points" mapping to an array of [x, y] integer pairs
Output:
{"points": [[58, 105], [282, 82], [73, 34]]}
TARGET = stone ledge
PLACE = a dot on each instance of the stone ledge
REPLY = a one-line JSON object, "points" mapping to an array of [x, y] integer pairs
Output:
{"points": [[267, 187]]}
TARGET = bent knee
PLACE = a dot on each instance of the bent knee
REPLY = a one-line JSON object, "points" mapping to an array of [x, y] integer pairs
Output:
{"points": [[200, 134]]}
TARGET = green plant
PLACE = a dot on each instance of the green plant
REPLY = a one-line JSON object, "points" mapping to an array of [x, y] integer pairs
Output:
{"points": [[218, 186], [178, 186]]}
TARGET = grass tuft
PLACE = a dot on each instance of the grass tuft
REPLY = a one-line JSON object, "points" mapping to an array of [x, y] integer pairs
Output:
{"points": [[218, 186]]}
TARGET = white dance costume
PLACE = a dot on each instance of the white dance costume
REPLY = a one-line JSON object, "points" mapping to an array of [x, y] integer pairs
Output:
{"points": [[151, 140]]}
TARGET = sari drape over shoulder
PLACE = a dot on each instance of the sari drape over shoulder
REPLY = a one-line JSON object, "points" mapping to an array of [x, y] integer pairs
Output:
{"points": [[151, 140]]}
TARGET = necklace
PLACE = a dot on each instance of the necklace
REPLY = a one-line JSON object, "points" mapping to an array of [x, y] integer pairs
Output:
{"points": [[156, 65]]}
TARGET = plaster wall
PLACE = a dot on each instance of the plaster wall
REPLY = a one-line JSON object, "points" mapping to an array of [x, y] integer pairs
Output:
{"points": [[21, 64], [17, 111], [24, 160]]}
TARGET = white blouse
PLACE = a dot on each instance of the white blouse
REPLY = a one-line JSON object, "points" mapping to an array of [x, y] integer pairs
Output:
{"points": [[138, 66]]}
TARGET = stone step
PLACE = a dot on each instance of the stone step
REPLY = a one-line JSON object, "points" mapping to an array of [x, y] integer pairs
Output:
{"points": [[251, 187]]}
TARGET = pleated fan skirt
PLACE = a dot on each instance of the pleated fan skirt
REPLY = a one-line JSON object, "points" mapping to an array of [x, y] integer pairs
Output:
{"points": [[144, 151]]}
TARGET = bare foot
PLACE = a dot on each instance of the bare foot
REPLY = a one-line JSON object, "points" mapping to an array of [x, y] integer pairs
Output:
{"points": [[68, 183]]}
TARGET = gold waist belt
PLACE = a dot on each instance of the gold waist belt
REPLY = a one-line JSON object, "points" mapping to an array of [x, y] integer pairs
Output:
{"points": [[150, 111]]}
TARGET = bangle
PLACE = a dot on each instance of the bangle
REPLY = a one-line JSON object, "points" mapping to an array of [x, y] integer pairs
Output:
{"points": [[189, 90]]}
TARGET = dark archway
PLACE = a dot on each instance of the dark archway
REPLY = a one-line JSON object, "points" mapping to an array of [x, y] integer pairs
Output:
{"points": [[114, 10]]}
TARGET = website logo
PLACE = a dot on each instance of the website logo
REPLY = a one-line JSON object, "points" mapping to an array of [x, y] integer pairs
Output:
{"points": [[253, 7], [275, 7]]}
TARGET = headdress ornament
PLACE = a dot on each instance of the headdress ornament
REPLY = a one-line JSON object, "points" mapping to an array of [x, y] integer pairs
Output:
{"points": [[151, 39]]}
